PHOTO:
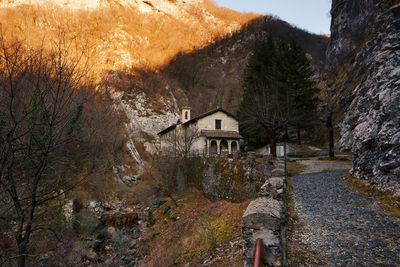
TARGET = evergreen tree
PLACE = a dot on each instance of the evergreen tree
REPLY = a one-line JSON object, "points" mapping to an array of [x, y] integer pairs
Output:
{"points": [[278, 92], [298, 73]]}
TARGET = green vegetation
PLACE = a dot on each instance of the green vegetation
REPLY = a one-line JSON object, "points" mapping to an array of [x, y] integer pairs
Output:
{"points": [[278, 92]]}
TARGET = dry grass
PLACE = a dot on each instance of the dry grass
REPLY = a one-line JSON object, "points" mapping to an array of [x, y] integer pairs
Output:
{"points": [[294, 168], [140, 194], [388, 202], [205, 229], [228, 15]]}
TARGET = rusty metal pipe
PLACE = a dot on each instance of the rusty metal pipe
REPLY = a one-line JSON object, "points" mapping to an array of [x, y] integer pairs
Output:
{"points": [[258, 254]]}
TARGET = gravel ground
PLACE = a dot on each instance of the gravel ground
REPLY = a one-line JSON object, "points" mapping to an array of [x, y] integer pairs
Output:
{"points": [[313, 165], [347, 227]]}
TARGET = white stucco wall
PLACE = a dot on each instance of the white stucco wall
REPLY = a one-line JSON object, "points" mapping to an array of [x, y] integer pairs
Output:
{"points": [[166, 141], [207, 123], [200, 145], [227, 123]]}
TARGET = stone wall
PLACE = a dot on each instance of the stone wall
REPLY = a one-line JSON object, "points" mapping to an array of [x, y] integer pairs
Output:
{"points": [[266, 218], [234, 178]]}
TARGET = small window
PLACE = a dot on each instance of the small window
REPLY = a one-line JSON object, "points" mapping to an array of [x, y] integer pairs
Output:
{"points": [[186, 115], [217, 124]]}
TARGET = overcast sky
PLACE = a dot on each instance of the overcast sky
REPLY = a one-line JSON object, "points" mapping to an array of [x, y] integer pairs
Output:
{"points": [[311, 15]]}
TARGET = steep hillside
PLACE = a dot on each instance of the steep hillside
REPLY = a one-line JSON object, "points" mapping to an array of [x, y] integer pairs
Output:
{"points": [[365, 55], [209, 76], [124, 33], [212, 75], [127, 42], [154, 56]]}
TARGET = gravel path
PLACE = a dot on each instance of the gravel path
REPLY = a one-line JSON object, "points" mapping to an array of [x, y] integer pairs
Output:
{"points": [[313, 165], [346, 227]]}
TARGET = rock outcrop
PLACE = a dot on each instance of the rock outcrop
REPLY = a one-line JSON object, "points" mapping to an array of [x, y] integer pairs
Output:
{"points": [[365, 50]]}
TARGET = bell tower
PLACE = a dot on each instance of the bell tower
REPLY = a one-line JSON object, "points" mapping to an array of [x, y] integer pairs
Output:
{"points": [[185, 114]]}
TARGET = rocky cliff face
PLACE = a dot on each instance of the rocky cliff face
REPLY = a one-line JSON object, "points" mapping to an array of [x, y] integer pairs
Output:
{"points": [[365, 50]]}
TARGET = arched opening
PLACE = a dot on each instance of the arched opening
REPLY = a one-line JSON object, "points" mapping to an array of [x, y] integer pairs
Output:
{"points": [[234, 147], [224, 147], [186, 115], [213, 147]]}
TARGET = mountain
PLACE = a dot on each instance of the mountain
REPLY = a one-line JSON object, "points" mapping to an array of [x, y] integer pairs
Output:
{"points": [[154, 56], [364, 55]]}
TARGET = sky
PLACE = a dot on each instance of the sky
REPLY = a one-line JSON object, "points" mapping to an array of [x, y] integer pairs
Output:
{"points": [[311, 15]]}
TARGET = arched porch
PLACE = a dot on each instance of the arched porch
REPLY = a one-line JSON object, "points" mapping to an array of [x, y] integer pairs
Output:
{"points": [[222, 146]]}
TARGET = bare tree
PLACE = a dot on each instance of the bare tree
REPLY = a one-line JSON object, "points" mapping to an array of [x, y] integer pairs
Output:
{"points": [[43, 94], [186, 139], [262, 108], [173, 165], [180, 141], [328, 120]]}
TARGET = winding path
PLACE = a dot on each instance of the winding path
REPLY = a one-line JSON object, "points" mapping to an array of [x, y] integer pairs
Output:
{"points": [[346, 227]]}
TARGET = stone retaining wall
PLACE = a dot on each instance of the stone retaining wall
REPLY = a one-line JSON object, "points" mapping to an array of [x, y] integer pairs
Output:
{"points": [[266, 218], [235, 179]]}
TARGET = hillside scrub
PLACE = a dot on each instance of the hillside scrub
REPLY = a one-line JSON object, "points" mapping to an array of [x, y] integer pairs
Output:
{"points": [[197, 232], [53, 136]]}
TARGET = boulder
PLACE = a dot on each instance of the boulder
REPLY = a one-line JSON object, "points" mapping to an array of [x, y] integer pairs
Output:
{"points": [[278, 172], [251, 155], [265, 219], [71, 207], [271, 247], [264, 213], [96, 207], [129, 180], [273, 187], [267, 159]]}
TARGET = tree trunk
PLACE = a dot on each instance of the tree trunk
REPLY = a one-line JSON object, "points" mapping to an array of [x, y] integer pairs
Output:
{"points": [[22, 250], [273, 145], [287, 135], [329, 124], [331, 145], [298, 136]]}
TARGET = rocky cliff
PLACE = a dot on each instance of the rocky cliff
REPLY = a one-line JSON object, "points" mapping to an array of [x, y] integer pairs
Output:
{"points": [[364, 54]]}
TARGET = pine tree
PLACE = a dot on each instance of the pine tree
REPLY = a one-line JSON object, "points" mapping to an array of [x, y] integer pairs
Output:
{"points": [[303, 100], [278, 91]]}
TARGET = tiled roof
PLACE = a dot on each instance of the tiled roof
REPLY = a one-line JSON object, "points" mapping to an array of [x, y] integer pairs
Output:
{"points": [[221, 134], [168, 129], [211, 112], [197, 118]]}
